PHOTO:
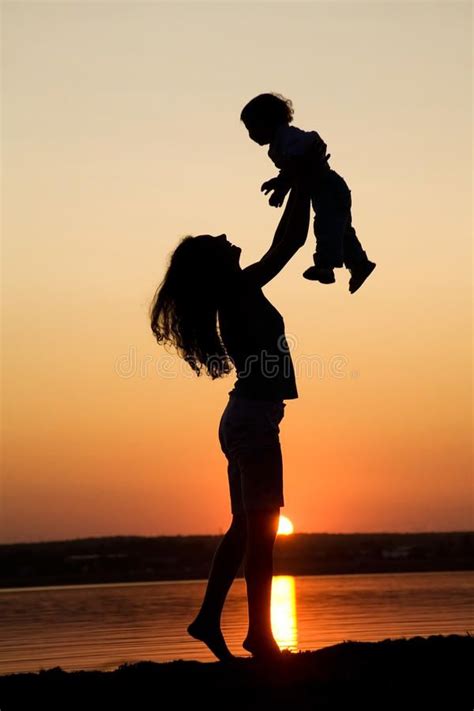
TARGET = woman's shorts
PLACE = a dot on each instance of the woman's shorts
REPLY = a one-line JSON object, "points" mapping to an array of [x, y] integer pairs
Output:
{"points": [[249, 437]]}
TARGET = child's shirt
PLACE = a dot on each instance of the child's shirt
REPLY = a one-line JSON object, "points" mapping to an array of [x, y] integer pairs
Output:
{"points": [[292, 142]]}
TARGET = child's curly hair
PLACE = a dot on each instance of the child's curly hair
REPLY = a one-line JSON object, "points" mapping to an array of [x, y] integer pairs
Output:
{"points": [[270, 108]]}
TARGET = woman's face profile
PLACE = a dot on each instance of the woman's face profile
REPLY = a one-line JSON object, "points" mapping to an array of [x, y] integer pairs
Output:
{"points": [[229, 253]]}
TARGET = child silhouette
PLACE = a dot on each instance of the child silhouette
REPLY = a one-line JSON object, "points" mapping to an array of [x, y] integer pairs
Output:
{"points": [[267, 118]]}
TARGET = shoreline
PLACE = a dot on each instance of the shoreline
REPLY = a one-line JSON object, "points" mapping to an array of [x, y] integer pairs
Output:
{"points": [[402, 673], [131, 583]]}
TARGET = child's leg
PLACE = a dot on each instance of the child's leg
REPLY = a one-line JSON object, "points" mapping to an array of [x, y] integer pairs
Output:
{"points": [[355, 259], [353, 252], [332, 213], [336, 239]]}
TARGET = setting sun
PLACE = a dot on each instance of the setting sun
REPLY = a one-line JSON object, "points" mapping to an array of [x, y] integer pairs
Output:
{"points": [[285, 526]]}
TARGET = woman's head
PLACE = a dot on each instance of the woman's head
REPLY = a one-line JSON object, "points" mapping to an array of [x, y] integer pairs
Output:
{"points": [[264, 113], [183, 312]]}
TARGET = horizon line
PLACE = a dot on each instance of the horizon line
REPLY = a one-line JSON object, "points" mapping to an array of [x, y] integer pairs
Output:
{"points": [[215, 535]]}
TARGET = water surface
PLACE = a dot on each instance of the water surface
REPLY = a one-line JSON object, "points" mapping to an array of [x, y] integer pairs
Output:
{"points": [[102, 626]]}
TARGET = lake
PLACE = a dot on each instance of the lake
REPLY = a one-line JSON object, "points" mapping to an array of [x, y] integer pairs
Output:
{"points": [[103, 626]]}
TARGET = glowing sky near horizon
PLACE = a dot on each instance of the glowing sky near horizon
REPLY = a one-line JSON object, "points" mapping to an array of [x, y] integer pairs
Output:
{"points": [[121, 134]]}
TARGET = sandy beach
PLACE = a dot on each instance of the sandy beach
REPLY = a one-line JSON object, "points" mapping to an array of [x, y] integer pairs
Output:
{"points": [[419, 673]]}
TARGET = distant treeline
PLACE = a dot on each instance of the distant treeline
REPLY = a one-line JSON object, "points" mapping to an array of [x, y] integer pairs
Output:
{"points": [[137, 558]]}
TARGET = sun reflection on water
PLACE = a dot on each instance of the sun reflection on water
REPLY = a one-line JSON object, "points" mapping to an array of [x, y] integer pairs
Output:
{"points": [[284, 622]]}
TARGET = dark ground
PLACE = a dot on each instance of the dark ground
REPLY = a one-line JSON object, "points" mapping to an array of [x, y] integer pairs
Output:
{"points": [[422, 673]]}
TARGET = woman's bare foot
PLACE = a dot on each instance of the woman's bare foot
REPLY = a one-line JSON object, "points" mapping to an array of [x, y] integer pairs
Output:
{"points": [[212, 636], [262, 648]]}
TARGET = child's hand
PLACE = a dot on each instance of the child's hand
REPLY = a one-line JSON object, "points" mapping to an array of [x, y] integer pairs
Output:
{"points": [[278, 198], [271, 184], [279, 191]]}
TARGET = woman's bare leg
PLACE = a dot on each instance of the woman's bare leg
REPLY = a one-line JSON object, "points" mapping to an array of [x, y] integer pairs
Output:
{"points": [[225, 565], [262, 529]]}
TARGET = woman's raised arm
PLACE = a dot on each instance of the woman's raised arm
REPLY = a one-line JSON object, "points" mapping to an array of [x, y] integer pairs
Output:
{"points": [[290, 235]]}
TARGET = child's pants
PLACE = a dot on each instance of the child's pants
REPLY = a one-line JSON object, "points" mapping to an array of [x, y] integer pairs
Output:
{"points": [[336, 240]]}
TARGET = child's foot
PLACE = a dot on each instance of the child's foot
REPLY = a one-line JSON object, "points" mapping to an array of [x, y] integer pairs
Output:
{"points": [[212, 637], [325, 276], [359, 274]]}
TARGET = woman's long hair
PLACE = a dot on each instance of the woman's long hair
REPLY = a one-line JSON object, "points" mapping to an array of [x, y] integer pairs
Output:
{"points": [[183, 312]]}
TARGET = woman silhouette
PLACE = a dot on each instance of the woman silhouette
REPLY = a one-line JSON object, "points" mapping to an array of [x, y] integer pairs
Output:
{"points": [[216, 315]]}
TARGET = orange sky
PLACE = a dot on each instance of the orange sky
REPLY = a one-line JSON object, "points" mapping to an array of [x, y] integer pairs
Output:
{"points": [[121, 134]]}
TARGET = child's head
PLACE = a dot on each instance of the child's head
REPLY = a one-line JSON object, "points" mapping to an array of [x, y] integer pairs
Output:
{"points": [[263, 114]]}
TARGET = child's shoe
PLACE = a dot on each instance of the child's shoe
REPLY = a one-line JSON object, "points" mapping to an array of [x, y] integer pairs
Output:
{"points": [[359, 274], [325, 276]]}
